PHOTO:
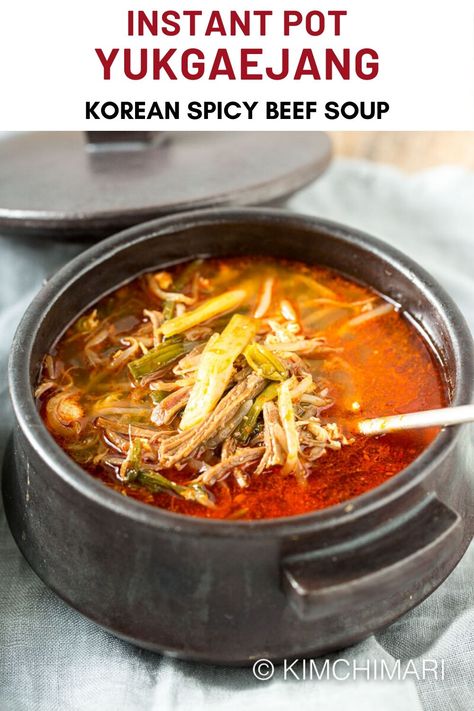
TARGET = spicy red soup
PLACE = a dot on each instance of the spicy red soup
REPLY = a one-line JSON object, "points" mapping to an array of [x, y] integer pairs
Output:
{"points": [[232, 388]]}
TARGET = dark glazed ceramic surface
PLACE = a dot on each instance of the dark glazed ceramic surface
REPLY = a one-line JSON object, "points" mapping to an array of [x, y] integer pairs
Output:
{"points": [[53, 184], [230, 592]]}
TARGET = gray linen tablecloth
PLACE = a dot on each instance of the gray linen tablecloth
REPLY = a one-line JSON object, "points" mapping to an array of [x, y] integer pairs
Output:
{"points": [[52, 659]]}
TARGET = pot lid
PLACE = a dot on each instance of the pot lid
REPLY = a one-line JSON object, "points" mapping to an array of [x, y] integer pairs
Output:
{"points": [[75, 185]]}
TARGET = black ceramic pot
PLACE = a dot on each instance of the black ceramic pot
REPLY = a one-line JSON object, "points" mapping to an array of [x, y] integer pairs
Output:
{"points": [[231, 592]]}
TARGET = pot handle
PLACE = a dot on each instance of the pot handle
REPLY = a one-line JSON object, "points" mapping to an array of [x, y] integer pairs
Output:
{"points": [[317, 581]]}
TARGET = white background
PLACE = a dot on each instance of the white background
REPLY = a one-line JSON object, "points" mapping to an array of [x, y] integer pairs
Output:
{"points": [[48, 67]]}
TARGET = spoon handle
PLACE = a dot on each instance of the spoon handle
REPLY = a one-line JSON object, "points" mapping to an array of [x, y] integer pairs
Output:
{"points": [[415, 420]]}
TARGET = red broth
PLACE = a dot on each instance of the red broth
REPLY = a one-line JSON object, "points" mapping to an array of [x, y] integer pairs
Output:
{"points": [[369, 367]]}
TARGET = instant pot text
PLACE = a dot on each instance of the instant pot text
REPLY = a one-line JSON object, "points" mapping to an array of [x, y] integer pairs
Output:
{"points": [[317, 61]]}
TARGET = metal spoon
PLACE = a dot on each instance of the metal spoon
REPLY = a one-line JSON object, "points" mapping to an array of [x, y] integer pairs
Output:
{"points": [[443, 417]]}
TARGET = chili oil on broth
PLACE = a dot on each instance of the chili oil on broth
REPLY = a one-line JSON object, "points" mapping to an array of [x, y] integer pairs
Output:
{"points": [[372, 362]]}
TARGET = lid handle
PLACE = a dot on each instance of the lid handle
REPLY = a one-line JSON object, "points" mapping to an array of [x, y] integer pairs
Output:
{"points": [[118, 140]]}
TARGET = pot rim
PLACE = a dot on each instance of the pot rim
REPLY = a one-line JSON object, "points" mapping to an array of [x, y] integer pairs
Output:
{"points": [[33, 428]]}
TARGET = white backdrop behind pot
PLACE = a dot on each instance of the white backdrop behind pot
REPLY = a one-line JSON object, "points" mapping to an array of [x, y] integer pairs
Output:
{"points": [[52, 658]]}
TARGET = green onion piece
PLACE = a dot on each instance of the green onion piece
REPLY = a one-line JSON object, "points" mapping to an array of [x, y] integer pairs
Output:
{"points": [[168, 310], [216, 367], [130, 468], [157, 357], [156, 482], [205, 311], [263, 362], [158, 396], [179, 284], [249, 422]]}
